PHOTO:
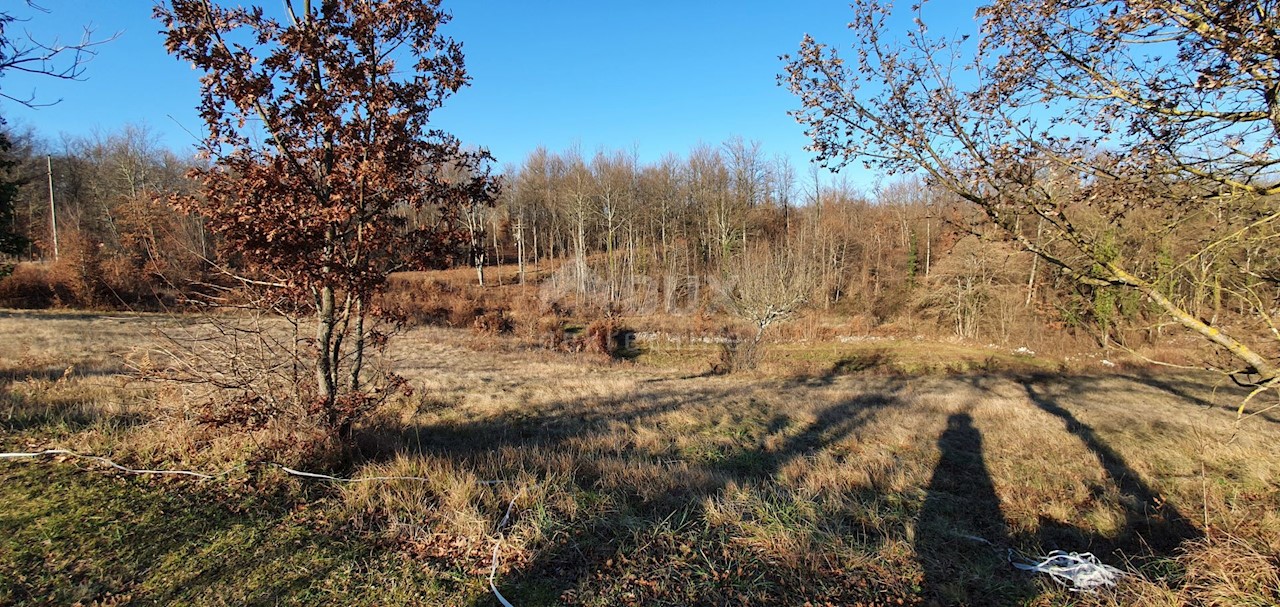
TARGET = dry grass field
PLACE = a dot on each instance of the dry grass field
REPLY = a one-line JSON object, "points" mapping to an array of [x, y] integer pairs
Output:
{"points": [[839, 481]]}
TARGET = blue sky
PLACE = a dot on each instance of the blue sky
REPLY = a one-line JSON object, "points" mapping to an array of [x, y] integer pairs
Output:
{"points": [[658, 76]]}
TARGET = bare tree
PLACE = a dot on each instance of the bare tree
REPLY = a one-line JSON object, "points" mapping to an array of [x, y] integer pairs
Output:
{"points": [[33, 56], [767, 285], [53, 58], [577, 205], [1070, 88]]}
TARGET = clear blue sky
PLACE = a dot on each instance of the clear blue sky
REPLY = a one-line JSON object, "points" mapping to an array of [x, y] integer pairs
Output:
{"points": [[657, 76]]}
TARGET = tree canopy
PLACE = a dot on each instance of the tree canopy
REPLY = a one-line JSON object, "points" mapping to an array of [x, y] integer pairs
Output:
{"points": [[318, 125]]}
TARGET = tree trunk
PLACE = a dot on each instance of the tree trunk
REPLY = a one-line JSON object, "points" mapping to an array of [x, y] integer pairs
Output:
{"points": [[580, 254], [326, 387], [611, 257], [536, 256], [1035, 261], [357, 351], [1241, 351], [928, 245], [520, 247]]}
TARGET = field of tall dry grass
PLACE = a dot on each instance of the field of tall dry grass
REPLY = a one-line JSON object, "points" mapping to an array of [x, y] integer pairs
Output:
{"points": [[843, 481]]}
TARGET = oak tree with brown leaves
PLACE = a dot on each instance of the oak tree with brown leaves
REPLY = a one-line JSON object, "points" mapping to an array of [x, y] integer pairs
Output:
{"points": [[1132, 144], [319, 134]]}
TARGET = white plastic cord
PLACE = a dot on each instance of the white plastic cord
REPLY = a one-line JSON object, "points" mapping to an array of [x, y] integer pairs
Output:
{"points": [[203, 476], [1078, 572], [338, 479], [108, 462], [497, 545]]}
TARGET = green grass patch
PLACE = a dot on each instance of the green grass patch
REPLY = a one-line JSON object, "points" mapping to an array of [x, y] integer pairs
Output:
{"points": [[71, 536]]}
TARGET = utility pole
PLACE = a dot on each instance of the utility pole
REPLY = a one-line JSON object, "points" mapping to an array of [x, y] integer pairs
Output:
{"points": [[53, 213]]}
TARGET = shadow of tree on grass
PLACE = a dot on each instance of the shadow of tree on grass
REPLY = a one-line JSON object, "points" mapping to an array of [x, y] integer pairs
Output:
{"points": [[1151, 524], [690, 561]]}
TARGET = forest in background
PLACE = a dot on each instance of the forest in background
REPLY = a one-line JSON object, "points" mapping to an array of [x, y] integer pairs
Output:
{"points": [[605, 234]]}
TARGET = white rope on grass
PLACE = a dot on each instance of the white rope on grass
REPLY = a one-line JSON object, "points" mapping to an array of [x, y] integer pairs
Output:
{"points": [[203, 476], [108, 462], [1077, 571], [497, 545], [364, 479]]}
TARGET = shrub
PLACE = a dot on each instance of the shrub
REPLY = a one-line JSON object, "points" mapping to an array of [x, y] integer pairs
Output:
{"points": [[493, 322], [606, 336], [31, 285]]}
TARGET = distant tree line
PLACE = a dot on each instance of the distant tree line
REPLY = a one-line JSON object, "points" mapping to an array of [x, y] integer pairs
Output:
{"points": [[609, 231], [117, 242], [1158, 208]]}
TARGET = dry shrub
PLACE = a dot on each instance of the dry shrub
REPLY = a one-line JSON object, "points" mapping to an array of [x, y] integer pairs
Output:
{"points": [[418, 301], [250, 375], [737, 351], [812, 326], [121, 281], [732, 357], [527, 309], [86, 275], [80, 268], [706, 323], [548, 331], [1230, 571], [493, 322], [32, 286], [409, 305], [75, 280], [463, 312], [129, 285], [445, 300], [600, 336], [446, 508]]}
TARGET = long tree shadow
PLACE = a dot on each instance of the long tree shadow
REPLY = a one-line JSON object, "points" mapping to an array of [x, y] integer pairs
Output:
{"points": [[851, 364], [961, 534], [1150, 523], [591, 547], [547, 426], [1191, 391]]}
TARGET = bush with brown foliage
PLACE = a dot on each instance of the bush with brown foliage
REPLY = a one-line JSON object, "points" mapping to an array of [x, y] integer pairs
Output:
{"points": [[75, 280], [80, 268], [493, 322], [31, 285], [89, 274]]}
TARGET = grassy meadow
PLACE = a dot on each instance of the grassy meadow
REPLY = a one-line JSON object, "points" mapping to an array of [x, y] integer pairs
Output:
{"points": [[864, 473]]}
